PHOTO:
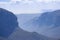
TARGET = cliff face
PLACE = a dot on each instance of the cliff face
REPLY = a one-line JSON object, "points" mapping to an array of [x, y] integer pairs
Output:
{"points": [[8, 22], [50, 18], [50, 24]]}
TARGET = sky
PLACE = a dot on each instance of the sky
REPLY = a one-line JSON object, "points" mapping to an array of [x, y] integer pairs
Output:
{"points": [[30, 6]]}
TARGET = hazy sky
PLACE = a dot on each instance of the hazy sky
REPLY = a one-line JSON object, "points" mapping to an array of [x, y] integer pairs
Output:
{"points": [[30, 6]]}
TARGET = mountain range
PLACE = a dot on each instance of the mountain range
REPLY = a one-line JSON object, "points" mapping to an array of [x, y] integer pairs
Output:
{"points": [[47, 24], [9, 29]]}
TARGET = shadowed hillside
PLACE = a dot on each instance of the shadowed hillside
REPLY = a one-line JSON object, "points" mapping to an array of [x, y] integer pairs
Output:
{"points": [[47, 24], [8, 22]]}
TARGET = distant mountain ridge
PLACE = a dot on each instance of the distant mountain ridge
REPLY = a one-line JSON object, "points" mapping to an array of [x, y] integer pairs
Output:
{"points": [[47, 23], [9, 29], [50, 18]]}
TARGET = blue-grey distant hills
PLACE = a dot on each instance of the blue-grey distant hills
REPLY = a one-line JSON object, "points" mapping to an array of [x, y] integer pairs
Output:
{"points": [[47, 24], [50, 18], [9, 29]]}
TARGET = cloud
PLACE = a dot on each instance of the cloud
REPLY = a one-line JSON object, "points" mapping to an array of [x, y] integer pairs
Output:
{"points": [[14, 1], [19, 6], [4, 0]]}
